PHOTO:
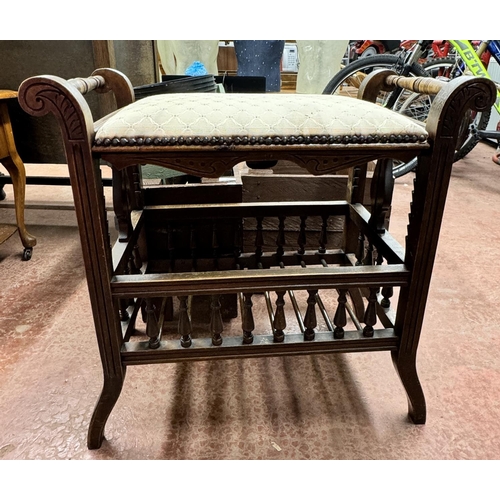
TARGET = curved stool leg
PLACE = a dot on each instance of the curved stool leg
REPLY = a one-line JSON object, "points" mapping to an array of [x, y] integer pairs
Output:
{"points": [[15, 167], [107, 400], [407, 371]]}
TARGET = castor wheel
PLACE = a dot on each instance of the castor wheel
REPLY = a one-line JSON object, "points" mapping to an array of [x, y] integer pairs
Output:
{"points": [[3, 195], [28, 252]]}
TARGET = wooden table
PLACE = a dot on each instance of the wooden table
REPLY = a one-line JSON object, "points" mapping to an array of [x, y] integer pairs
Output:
{"points": [[12, 162]]}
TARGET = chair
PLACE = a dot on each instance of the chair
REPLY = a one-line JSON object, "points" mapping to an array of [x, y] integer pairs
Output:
{"points": [[340, 291], [12, 162]]}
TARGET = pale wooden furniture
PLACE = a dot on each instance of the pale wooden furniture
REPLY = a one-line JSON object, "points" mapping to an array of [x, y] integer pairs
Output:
{"points": [[339, 289], [11, 160]]}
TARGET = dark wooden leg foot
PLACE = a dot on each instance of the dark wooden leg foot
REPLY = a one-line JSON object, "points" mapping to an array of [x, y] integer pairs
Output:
{"points": [[107, 400], [407, 371]]}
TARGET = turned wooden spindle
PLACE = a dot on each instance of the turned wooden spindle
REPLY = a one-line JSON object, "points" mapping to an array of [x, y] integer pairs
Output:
{"points": [[381, 190], [124, 303], [370, 318], [323, 234], [310, 321], [137, 258], [416, 84], [248, 324], [152, 330], [121, 206], [216, 326], [184, 324], [259, 239], [279, 323], [368, 260], [138, 194], [302, 240], [360, 250], [122, 310], [387, 293], [340, 319], [86, 85], [280, 239], [134, 262]]}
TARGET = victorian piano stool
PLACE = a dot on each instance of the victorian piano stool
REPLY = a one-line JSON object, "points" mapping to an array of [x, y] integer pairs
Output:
{"points": [[342, 291]]}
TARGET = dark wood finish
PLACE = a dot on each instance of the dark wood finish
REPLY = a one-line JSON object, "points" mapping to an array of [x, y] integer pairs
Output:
{"points": [[210, 261]]}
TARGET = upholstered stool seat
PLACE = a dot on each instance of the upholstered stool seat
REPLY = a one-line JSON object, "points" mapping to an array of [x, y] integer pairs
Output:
{"points": [[305, 129], [249, 119]]}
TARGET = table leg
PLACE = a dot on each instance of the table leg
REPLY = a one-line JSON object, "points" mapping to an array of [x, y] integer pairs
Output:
{"points": [[15, 166]]}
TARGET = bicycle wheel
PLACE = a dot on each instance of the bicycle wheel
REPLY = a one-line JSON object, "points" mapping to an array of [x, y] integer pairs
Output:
{"points": [[348, 79], [440, 66], [449, 67], [417, 106]]}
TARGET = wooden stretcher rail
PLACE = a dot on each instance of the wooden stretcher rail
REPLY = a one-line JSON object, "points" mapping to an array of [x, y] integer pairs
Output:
{"points": [[265, 209], [257, 280], [138, 353]]}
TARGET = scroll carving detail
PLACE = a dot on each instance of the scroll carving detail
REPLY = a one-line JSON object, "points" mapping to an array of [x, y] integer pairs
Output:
{"points": [[41, 97]]}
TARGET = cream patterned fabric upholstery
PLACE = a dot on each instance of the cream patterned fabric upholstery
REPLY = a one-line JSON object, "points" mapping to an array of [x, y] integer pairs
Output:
{"points": [[206, 118]]}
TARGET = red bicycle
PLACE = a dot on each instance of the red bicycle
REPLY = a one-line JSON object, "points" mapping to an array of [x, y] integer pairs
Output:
{"points": [[365, 48]]}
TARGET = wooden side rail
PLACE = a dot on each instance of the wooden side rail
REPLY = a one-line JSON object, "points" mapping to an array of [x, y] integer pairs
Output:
{"points": [[155, 285]]}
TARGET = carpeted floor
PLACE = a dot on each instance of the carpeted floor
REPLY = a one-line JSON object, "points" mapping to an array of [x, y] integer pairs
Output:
{"points": [[325, 407]]}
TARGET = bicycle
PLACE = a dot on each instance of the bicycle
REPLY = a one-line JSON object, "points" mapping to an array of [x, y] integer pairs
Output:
{"points": [[470, 60], [405, 63], [348, 80]]}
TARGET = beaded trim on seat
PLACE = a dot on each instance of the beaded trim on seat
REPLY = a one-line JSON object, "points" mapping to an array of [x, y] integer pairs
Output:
{"points": [[269, 141], [255, 119]]}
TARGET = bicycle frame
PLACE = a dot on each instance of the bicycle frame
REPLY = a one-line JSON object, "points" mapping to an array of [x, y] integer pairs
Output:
{"points": [[472, 60], [441, 48]]}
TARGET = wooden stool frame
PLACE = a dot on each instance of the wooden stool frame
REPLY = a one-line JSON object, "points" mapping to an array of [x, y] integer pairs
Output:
{"points": [[128, 276]]}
